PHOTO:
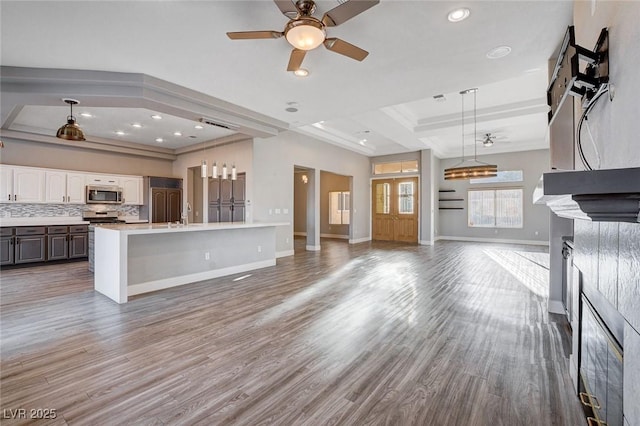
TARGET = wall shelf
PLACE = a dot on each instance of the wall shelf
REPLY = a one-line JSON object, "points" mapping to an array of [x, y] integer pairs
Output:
{"points": [[450, 200]]}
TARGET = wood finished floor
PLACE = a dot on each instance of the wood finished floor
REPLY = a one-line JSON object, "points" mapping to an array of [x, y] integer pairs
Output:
{"points": [[373, 333]]}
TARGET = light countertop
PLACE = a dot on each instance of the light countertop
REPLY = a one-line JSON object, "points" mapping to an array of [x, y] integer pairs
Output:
{"points": [[42, 221], [159, 228]]}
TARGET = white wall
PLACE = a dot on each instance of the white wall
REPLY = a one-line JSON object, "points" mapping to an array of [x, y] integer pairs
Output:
{"points": [[273, 163], [238, 153], [614, 124], [453, 223]]}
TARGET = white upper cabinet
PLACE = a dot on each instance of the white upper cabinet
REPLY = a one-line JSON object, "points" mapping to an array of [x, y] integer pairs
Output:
{"points": [[75, 188], [101, 180], [131, 189], [6, 184], [63, 187], [56, 187], [28, 185]]}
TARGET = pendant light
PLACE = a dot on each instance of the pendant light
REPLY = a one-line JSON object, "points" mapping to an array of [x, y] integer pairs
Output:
{"points": [[469, 169], [234, 172], [224, 171], [214, 170], [203, 164], [70, 131]]}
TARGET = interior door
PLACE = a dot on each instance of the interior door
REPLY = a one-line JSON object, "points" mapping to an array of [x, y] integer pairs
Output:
{"points": [[395, 209], [382, 209]]}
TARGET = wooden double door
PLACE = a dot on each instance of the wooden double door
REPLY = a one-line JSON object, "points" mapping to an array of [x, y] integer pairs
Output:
{"points": [[395, 209]]}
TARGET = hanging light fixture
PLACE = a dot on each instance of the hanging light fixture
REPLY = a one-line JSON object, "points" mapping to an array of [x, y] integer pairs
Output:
{"points": [[225, 174], [234, 172], [214, 170], [472, 168], [203, 165], [70, 131]]}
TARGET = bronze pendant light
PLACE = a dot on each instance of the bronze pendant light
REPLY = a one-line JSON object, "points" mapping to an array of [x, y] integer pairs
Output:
{"points": [[472, 168], [70, 131]]}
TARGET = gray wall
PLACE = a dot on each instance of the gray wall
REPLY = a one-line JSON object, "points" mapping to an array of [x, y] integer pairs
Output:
{"points": [[331, 182], [453, 223], [38, 154], [273, 165]]}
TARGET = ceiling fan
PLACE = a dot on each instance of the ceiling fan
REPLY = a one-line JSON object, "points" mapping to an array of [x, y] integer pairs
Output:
{"points": [[304, 32], [488, 140]]}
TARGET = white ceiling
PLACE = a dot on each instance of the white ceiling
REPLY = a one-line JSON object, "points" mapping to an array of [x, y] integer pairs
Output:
{"points": [[387, 99]]}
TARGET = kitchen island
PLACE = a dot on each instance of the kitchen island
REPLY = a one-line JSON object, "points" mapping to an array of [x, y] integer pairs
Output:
{"points": [[139, 258]]}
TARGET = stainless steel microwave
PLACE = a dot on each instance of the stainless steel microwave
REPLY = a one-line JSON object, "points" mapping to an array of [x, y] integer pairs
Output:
{"points": [[104, 194]]}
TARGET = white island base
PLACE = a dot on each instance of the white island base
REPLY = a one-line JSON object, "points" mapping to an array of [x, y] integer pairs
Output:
{"points": [[135, 259]]}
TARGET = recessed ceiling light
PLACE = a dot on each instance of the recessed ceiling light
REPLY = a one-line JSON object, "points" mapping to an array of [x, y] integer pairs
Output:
{"points": [[86, 114], [362, 141], [301, 72], [159, 140], [199, 127], [177, 134], [458, 15], [291, 109], [137, 125], [439, 98], [119, 133], [498, 52], [156, 117]]}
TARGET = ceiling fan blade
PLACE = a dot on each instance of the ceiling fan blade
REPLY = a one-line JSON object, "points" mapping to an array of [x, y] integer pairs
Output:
{"points": [[295, 60], [252, 35], [346, 49], [287, 8], [340, 14]]}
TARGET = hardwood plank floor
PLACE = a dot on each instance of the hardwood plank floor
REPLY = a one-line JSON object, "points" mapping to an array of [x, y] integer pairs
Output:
{"points": [[373, 333]]}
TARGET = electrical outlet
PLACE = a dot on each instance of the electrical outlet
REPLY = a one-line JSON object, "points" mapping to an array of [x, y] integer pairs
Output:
{"points": [[270, 211], [285, 211], [259, 249], [277, 211], [287, 241], [536, 233], [207, 255]]}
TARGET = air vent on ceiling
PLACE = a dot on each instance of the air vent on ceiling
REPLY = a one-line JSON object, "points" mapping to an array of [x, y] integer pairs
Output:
{"points": [[439, 98], [218, 123]]}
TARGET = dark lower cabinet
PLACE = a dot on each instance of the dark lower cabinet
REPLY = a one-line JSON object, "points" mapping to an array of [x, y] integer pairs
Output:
{"points": [[58, 247], [78, 245], [30, 249], [6, 250], [32, 244]]}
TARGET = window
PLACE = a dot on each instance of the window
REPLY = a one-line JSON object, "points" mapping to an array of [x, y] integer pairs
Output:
{"points": [[383, 198], [410, 166], [339, 207], [405, 198], [496, 208], [503, 176]]}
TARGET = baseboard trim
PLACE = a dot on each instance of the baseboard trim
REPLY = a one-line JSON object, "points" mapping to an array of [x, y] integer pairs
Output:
{"points": [[494, 240], [555, 307], [313, 248], [338, 236], [284, 253], [155, 285], [359, 240], [425, 243], [299, 234]]}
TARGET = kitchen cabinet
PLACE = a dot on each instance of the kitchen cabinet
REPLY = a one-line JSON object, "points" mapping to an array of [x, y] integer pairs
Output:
{"points": [[78, 241], [58, 242], [104, 180], [30, 244], [7, 241], [167, 205], [22, 184], [131, 190], [63, 187]]}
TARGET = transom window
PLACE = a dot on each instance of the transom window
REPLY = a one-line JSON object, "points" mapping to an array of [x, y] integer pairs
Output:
{"points": [[409, 166]]}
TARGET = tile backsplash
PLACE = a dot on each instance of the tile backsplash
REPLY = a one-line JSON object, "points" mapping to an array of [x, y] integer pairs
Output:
{"points": [[72, 210]]}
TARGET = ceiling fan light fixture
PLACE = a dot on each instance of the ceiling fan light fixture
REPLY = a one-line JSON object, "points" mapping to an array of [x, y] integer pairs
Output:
{"points": [[305, 33], [488, 142], [70, 131], [301, 72]]}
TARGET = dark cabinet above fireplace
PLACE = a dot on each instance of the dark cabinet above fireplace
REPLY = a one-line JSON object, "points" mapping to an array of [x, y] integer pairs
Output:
{"points": [[611, 195]]}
